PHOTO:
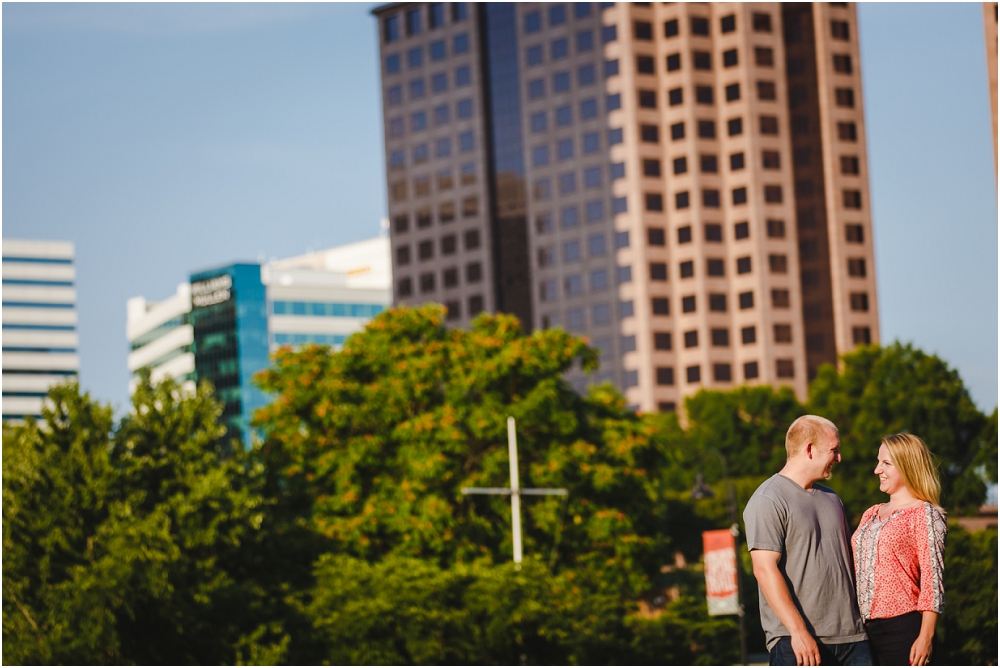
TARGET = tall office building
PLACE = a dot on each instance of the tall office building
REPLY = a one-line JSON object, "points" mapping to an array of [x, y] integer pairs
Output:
{"points": [[684, 183], [222, 325], [990, 28], [39, 323]]}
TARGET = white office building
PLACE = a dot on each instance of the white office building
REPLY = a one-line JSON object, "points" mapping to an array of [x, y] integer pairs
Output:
{"points": [[321, 297], [40, 342]]}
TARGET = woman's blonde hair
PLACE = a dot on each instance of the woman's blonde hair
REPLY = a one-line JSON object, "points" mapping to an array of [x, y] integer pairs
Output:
{"points": [[910, 455]]}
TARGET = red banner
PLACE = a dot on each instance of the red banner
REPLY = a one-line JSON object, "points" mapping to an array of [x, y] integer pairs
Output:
{"points": [[720, 572]]}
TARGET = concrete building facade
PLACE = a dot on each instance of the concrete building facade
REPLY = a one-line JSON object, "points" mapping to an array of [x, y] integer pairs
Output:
{"points": [[224, 323], [40, 340], [990, 29], [684, 183]]}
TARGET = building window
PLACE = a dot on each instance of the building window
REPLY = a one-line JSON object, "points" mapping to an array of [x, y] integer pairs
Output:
{"points": [[761, 22], [778, 263], [677, 131], [713, 232], [736, 162], [840, 30], [746, 300], [650, 133], [610, 68], [588, 109], [671, 28], [688, 304], [702, 60], [460, 44], [717, 302], [534, 55], [658, 271], [842, 64], [852, 199], [720, 338], [693, 374], [449, 244], [741, 230], [847, 131], [859, 301], [598, 280], [782, 333], [862, 336], [691, 339], [405, 287], [619, 205], [624, 274], [739, 196], [730, 58], [750, 370], [849, 164], [684, 234], [845, 97], [571, 251], [473, 272], [675, 96], [748, 335], [710, 199], [475, 305], [643, 31], [763, 56], [785, 368], [645, 65], [673, 62], [856, 267], [772, 160], [680, 166], [703, 95], [390, 29], [600, 314], [560, 82], [772, 194], [450, 276], [650, 167], [664, 375], [735, 127], [597, 245], [609, 34], [662, 341], [626, 309], [656, 236], [766, 90], [647, 99], [682, 200], [560, 48], [427, 282], [454, 309], [723, 373], [768, 125], [586, 75], [584, 41], [855, 234], [706, 129], [654, 202], [661, 306], [732, 94], [612, 102], [630, 379], [573, 285], [413, 24], [595, 211], [716, 267], [743, 265]]}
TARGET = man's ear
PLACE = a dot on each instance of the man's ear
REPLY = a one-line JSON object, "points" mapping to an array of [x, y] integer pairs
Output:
{"points": [[809, 450]]}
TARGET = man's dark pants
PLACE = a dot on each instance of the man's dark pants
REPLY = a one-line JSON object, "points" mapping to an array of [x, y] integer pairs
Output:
{"points": [[841, 654]]}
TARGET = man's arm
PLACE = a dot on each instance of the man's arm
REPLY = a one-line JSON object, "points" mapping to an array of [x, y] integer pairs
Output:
{"points": [[772, 584]]}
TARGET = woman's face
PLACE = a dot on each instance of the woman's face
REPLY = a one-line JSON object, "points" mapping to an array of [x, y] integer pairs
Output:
{"points": [[890, 479]]}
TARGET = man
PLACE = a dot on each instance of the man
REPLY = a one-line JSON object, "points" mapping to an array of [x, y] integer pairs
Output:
{"points": [[799, 542]]}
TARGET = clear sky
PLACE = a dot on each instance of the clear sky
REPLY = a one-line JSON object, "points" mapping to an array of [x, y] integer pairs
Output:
{"points": [[167, 138]]}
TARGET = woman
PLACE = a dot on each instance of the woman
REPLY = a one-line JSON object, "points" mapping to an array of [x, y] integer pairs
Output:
{"points": [[899, 555]]}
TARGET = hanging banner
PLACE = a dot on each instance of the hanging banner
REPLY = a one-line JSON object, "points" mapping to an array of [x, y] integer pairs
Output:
{"points": [[720, 572]]}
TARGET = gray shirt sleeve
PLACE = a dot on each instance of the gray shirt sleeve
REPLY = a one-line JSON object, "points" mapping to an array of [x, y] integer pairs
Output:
{"points": [[766, 522]]}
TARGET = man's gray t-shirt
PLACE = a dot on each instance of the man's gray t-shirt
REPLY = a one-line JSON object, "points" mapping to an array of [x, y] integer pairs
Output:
{"points": [[809, 529]]}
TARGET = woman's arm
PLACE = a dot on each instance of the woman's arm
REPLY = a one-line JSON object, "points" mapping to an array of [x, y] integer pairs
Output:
{"points": [[920, 652]]}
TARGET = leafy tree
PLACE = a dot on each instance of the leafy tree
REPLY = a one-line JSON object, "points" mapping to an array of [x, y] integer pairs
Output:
{"points": [[967, 633], [897, 388], [122, 542]]}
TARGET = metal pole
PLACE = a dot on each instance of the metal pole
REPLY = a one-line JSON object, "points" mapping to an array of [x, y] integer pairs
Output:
{"points": [[735, 530], [515, 491]]}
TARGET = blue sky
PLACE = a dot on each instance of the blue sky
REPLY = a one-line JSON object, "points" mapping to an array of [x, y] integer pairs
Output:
{"points": [[166, 138]]}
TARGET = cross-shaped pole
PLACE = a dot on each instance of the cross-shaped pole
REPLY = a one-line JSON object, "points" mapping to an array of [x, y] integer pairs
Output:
{"points": [[515, 491]]}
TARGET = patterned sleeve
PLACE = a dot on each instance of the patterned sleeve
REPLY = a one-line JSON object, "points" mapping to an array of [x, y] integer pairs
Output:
{"points": [[932, 530]]}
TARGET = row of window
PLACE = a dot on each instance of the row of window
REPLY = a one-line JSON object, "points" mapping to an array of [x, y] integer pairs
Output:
{"points": [[445, 180], [443, 148], [427, 281], [557, 16], [412, 20], [562, 115], [761, 22], [326, 309], [436, 51], [706, 129], [439, 84], [721, 373], [285, 339], [586, 75], [770, 160], [559, 48], [449, 246]]}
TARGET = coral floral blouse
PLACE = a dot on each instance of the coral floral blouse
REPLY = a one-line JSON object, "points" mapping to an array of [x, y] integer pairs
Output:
{"points": [[899, 563]]}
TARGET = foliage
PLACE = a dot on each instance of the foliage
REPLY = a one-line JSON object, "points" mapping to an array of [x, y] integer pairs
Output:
{"points": [[121, 542], [898, 388], [967, 632]]}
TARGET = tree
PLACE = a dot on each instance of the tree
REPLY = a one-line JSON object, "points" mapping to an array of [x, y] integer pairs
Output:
{"points": [[122, 542], [967, 633], [897, 388]]}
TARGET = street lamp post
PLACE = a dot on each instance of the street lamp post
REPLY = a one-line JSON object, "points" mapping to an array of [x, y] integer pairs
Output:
{"points": [[703, 491]]}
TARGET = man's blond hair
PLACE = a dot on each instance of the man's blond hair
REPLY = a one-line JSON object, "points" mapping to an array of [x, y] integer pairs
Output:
{"points": [[806, 429]]}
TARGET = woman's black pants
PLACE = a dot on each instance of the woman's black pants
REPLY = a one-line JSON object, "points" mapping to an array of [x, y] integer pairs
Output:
{"points": [[891, 638]]}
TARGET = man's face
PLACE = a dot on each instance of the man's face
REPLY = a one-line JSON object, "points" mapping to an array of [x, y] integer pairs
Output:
{"points": [[826, 453]]}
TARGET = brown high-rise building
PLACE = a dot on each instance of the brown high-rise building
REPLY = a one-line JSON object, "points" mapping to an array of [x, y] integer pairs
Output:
{"points": [[990, 27], [684, 183]]}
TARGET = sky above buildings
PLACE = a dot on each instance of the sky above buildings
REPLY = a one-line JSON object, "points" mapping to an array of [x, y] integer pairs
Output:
{"points": [[167, 138]]}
